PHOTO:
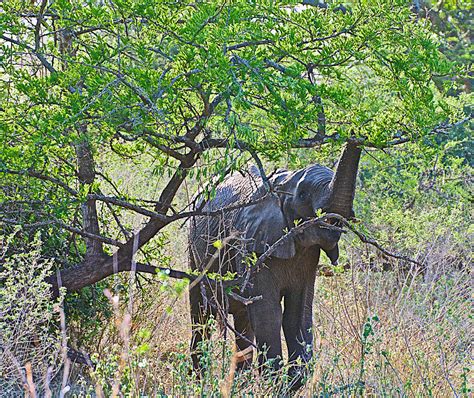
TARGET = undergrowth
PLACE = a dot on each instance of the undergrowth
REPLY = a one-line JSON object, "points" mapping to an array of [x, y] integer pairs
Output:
{"points": [[382, 327]]}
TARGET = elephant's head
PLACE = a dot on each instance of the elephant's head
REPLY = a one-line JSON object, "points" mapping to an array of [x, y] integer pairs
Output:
{"points": [[301, 194]]}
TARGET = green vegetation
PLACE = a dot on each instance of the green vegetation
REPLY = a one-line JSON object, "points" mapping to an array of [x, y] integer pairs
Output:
{"points": [[114, 114]]}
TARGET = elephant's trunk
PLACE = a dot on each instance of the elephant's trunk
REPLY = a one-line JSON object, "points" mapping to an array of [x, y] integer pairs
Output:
{"points": [[344, 180]]}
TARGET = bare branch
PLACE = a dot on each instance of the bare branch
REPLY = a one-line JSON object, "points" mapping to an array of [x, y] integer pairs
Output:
{"points": [[374, 243], [218, 212], [165, 149], [127, 205]]}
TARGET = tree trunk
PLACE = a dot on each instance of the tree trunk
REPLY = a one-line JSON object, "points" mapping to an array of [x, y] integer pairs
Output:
{"points": [[86, 175]]}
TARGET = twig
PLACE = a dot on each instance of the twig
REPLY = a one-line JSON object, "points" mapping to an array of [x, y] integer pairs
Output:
{"points": [[67, 227], [211, 261], [244, 300], [35, 174], [374, 243], [29, 380]]}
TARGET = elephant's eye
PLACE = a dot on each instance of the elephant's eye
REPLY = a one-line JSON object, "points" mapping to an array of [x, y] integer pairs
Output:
{"points": [[302, 195]]}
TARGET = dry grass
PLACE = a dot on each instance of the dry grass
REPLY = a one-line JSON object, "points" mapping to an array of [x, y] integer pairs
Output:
{"points": [[393, 333], [401, 332], [30, 343]]}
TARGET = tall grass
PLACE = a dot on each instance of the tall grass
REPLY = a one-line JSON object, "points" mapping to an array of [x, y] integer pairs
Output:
{"points": [[30, 342], [399, 332], [381, 327]]}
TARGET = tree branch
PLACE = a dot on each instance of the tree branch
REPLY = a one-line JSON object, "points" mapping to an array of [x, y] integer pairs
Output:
{"points": [[44, 177], [39, 20], [321, 221], [249, 44], [38, 55], [127, 205], [85, 234]]}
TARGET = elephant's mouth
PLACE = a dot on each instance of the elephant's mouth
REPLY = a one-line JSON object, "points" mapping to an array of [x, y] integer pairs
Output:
{"points": [[325, 235], [333, 235]]}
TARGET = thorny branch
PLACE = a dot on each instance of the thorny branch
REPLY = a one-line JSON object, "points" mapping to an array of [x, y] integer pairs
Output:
{"points": [[322, 221], [374, 243]]}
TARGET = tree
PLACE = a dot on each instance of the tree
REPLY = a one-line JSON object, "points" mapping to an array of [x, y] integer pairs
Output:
{"points": [[200, 88]]}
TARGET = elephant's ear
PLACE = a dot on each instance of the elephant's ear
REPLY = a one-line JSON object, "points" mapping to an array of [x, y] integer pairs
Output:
{"points": [[263, 224]]}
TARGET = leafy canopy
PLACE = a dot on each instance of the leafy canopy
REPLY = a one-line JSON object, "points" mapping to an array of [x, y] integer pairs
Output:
{"points": [[177, 83], [143, 71]]}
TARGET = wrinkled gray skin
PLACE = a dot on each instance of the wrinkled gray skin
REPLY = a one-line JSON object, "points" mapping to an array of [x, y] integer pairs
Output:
{"points": [[289, 274]]}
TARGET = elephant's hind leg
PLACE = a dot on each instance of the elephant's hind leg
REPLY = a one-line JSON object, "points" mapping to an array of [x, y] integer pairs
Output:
{"points": [[244, 339], [200, 315]]}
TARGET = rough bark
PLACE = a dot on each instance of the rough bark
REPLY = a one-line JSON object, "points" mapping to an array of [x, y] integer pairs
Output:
{"points": [[86, 175]]}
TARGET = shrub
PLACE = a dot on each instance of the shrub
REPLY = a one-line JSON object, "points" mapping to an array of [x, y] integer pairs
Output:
{"points": [[29, 336]]}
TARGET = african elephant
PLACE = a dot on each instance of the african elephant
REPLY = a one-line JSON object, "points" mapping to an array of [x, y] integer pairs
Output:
{"points": [[249, 217]]}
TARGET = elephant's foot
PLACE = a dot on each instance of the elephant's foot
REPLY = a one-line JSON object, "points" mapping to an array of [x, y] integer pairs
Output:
{"points": [[297, 376]]}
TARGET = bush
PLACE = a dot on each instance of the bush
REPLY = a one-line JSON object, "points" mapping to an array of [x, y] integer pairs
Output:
{"points": [[30, 340]]}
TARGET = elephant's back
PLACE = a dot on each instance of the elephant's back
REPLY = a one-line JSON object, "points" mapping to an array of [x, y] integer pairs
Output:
{"points": [[236, 190]]}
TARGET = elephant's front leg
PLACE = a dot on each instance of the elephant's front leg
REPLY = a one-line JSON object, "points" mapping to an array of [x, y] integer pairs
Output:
{"points": [[297, 327], [266, 320]]}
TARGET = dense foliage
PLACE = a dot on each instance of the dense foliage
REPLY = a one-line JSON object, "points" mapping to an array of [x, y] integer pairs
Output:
{"points": [[141, 77]]}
